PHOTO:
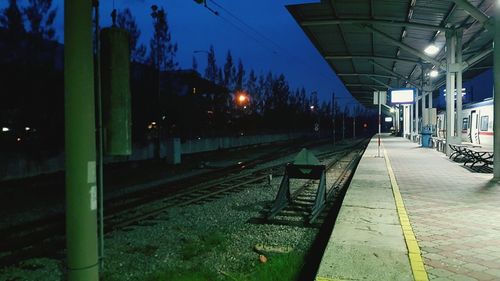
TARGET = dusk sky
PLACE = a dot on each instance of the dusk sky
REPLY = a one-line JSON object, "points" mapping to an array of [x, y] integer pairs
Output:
{"points": [[280, 44]]}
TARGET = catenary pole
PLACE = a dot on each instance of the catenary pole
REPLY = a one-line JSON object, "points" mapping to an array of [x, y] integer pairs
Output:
{"points": [[80, 145], [100, 135], [333, 117]]}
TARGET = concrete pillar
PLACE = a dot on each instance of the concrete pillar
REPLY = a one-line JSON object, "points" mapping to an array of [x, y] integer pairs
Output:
{"points": [[459, 85], [399, 114], [80, 143], [407, 124], [450, 81], [430, 95], [417, 115], [411, 121], [496, 102], [425, 107], [424, 101], [425, 95]]}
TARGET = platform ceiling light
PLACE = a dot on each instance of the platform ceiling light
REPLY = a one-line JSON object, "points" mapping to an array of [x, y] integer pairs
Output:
{"points": [[431, 49], [433, 73], [5, 129]]}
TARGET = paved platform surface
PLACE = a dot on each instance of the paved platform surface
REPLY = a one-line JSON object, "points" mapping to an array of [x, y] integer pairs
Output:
{"points": [[454, 215]]}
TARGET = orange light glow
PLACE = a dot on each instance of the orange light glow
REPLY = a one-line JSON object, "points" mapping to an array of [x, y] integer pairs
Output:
{"points": [[242, 98]]}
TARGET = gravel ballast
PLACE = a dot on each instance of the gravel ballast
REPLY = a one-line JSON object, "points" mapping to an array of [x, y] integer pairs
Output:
{"points": [[217, 236]]}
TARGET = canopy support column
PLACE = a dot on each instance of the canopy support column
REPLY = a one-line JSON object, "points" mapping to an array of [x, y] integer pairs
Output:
{"points": [[450, 89], [496, 102]]}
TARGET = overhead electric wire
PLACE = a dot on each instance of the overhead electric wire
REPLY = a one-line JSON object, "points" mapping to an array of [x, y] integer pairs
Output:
{"points": [[248, 34], [245, 24], [264, 39]]}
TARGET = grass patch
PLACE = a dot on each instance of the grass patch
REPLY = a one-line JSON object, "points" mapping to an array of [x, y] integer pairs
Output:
{"points": [[193, 274], [198, 247], [279, 267], [147, 250]]}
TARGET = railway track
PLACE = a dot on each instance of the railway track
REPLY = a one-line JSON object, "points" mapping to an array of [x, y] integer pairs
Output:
{"points": [[45, 237], [298, 212]]}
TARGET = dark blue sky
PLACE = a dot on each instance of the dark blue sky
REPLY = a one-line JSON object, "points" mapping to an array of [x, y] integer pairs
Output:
{"points": [[285, 48]]}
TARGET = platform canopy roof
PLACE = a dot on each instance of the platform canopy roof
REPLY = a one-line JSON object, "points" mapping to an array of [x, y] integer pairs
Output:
{"points": [[379, 44]]}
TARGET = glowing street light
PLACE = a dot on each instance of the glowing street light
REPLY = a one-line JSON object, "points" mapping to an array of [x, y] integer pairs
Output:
{"points": [[5, 129], [242, 98]]}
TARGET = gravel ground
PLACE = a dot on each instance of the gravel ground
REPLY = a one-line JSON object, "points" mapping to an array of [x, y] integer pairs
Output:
{"points": [[215, 235]]}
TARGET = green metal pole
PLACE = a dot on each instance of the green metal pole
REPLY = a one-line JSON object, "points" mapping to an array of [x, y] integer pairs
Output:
{"points": [[80, 146], [100, 132]]}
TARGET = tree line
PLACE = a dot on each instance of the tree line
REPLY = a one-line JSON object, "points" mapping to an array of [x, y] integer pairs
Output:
{"points": [[33, 94]]}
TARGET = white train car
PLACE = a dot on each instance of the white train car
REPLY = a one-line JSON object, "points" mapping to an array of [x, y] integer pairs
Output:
{"points": [[476, 123]]}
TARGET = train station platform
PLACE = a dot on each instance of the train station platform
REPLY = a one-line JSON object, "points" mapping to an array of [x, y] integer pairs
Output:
{"points": [[413, 214]]}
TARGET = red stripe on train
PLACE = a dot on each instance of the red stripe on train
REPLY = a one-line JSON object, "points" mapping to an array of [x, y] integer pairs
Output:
{"points": [[486, 133]]}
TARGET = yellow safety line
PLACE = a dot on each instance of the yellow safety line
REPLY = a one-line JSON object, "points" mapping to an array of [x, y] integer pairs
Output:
{"points": [[416, 262]]}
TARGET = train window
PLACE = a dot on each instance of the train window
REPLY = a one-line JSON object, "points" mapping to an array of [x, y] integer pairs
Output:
{"points": [[465, 124], [484, 123]]}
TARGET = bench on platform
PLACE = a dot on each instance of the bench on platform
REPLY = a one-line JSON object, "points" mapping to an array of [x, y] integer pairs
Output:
{"points": [[478, 156], [471, 154], [460, 151]]}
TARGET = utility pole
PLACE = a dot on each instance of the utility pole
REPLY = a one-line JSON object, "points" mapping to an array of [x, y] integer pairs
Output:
{"points": [[343, 124], [354, 126], [100, 136], [158, 17], [333, 117], [80, 144]]}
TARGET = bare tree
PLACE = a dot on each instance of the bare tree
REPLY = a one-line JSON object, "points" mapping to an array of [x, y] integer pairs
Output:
{"points": [[229, 72], [126, 20], [41, 17], [163, 50], [12, 18], [211, 69], [240, 75]]}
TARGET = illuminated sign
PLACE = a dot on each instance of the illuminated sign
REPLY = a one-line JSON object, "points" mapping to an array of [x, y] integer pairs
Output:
{"points": [[388, 119], [403, 96]]}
